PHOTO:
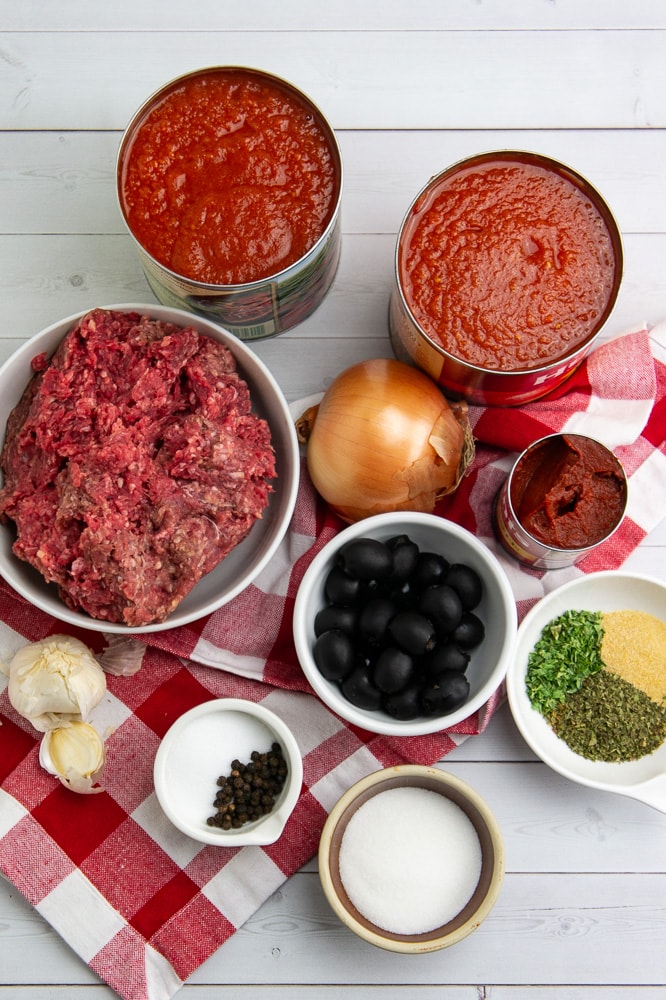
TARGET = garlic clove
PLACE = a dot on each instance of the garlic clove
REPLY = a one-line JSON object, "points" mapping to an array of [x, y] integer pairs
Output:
{"points": [[75, 754]]}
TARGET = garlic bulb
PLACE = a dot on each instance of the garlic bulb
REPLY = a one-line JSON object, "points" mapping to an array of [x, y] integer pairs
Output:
{"points": [[55, 681], [75, 754]]}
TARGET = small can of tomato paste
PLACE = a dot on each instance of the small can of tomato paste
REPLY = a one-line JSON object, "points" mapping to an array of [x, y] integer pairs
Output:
{"points": [[229, 180], [507, 267], [565, 495]]}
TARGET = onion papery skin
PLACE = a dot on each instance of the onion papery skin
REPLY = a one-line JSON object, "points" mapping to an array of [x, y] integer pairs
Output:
{"points": [[383, 438]]}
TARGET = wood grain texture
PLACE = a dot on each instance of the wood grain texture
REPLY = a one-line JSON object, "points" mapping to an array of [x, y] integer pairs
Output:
{"points": [[410, 88]]}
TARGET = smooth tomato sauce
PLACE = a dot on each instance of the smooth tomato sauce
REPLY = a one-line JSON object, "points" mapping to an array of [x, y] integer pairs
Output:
{"points": [[506, 265], [229, 178]]}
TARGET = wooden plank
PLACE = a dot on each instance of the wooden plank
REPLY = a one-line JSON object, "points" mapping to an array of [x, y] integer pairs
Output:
{"points": [[440, 79], [374, 15], [551, 929], [546, 929], [44, 279], [65, 182]]}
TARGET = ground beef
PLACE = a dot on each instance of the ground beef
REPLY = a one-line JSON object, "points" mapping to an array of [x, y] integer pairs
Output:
{"points": [[132, 465]]}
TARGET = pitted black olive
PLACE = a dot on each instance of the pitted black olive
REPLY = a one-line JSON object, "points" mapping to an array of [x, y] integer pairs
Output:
{"points": [[404, 705], [335, 616], [467, 584], [393, 670], [445, 656], [359, 689], [373, 621], [334, 654], [430, 570], [340, 588], [413, 632], [448, 692], [442, 606], [470, 632], [366, 559], [405, 557]]}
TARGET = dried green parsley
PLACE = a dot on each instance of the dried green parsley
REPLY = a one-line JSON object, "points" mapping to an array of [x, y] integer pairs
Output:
{"points": [[567, 652], [609, 719]]}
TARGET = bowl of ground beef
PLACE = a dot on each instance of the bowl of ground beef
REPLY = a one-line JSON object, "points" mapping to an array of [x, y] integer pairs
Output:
{"points": [[149, 468]]}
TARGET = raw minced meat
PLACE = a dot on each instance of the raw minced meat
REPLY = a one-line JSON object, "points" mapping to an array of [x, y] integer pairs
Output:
{"points": [[132, 465]]}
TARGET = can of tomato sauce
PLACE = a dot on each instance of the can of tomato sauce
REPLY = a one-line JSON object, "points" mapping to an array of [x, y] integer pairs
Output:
{"points": [[565, 495], [229, 180], [507, 267]]}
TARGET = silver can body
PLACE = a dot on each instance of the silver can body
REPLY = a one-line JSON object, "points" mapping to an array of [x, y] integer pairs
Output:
{"points": [[524, 546]]}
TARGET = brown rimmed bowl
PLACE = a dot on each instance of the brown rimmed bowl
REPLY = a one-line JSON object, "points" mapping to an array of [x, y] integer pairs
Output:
{"points": [[485, 826]]}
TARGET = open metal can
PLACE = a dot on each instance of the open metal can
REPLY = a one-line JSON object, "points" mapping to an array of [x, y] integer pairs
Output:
{"points": [[565, 495], [255, 175], [490, 296]]}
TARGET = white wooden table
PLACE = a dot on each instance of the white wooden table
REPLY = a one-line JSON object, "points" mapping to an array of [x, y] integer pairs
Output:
{"points": [[410, 86]]}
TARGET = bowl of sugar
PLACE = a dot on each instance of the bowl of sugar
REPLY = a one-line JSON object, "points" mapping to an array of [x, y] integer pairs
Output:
{"points": [[411, 859]]}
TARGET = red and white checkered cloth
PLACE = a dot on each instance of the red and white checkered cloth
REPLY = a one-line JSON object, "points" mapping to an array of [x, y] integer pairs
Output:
{"points": [[142, 904]]}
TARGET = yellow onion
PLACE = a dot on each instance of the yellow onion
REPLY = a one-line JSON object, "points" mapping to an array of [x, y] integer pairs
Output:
{"points": [[385, 438]]}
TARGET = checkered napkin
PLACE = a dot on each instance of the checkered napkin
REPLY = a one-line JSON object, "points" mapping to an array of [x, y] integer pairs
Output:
{"points": [[142, 904]]}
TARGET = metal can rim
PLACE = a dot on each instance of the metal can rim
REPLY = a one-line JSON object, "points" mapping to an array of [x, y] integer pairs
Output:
{"points": [[160, 93], [583, 184]]}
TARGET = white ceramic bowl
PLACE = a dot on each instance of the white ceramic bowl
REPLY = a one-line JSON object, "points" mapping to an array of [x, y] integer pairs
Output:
{"points": [[612, 590], [484, 825], [200, 746], [246, 561], [497, 610]]}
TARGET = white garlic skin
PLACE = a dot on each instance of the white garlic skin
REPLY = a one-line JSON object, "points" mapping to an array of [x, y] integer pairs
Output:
{"points": [[75, 754], [55, 681]]}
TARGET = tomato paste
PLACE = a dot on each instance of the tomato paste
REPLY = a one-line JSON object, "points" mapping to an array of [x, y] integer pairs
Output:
{"points": [[507, 264], [229, 177], [569, 492]]}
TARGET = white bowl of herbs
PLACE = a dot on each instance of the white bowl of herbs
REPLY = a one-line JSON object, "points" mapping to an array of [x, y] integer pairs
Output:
{"points": [[587, 685]]}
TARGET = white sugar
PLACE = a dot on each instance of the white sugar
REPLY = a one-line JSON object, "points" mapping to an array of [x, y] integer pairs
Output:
{"points": [[410, 860]]}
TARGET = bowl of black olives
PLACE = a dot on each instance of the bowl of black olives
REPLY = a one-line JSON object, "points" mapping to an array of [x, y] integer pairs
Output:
{"points": [[404, 623]]}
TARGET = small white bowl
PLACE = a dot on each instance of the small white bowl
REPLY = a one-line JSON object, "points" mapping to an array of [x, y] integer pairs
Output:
{"points": [[612, 590], [484, 824], [246, 561], [200, 746], [497, 610]]}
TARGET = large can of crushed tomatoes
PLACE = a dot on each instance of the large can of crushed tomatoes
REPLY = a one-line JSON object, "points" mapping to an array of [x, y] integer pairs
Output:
{"points": [[565, 495], [229, 180], [507, 267]]}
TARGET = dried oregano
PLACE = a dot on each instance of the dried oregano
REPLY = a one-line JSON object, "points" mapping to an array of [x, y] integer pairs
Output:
{"points": [[609, 719]]}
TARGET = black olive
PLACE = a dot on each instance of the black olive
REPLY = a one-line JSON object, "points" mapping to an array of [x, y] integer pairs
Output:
{"points": [[470, 632], [445, 656], [442, 606], [412, 632], [404, 705], [393, 670], [340, 588], [467, 584], [359, 689], [334, 654], [405, 557], [365, 559], [373, 621], [335, 616], [448, 692], [430, 570]]}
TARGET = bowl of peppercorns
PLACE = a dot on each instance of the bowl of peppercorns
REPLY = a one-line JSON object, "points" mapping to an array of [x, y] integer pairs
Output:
{"points": [[404, 623], [229, 772]]}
